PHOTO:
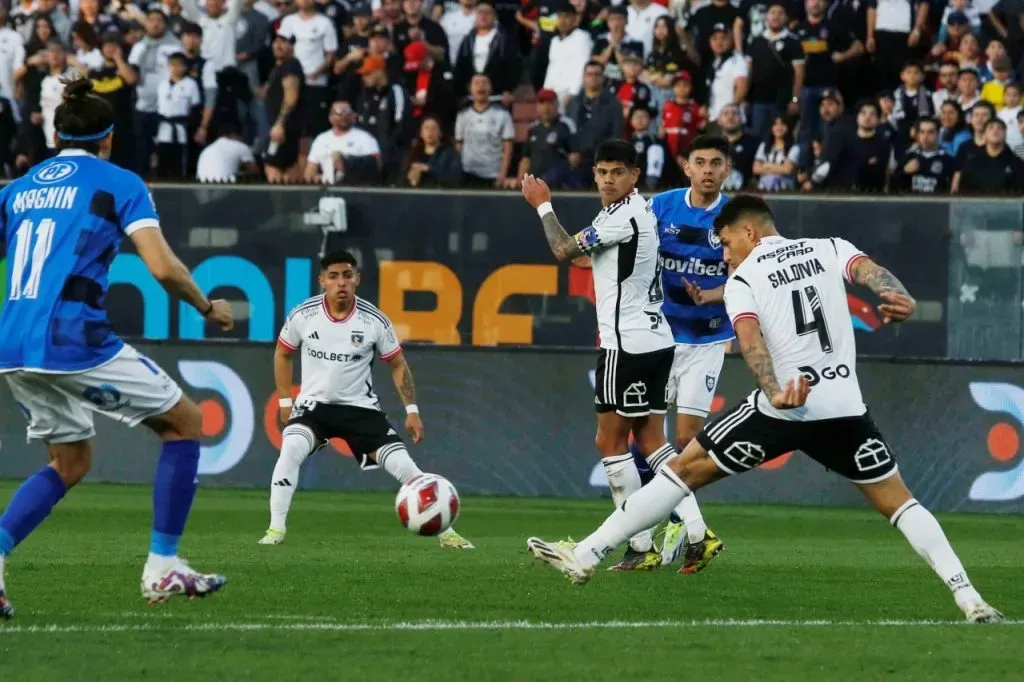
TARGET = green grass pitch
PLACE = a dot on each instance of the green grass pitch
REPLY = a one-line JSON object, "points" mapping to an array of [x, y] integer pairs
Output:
{"points": [[798, 594]]}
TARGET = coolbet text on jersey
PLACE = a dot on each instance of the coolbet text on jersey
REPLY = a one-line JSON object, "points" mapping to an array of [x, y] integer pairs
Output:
{"points": [[61, 226], [689, 249]]}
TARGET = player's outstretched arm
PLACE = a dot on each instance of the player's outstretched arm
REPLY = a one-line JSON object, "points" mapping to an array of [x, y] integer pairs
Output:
{"points": [[899, 304], [759, 360], [562, 244], [401, 374], [172, 274], [283, 380]]}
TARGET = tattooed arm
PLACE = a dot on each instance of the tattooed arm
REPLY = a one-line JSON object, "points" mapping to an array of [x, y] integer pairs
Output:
{"points": [[759, 360], [898, 303], [401, 374], [562, 244]]}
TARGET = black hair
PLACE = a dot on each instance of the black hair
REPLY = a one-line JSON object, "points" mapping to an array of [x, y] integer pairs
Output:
{"points": [[742, 206], [717, 142], [787, 139], [337, 257], [1012, 84], [594, 62], [928, 119], [947, 134], [985, 104], [996, 121], [870, 103], [616, 151], [82, 114], [912, 64]]}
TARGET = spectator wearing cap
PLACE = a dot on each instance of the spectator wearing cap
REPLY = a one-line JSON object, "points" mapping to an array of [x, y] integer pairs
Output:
{"points": [[610, 48], [219, 33], [827, 45], [1002, 75], [344, 154], [431, 87], [710, 15], [965, 7], [115, 82], [316, 43], [226, 158], [149, 57], [550, 150], [484, 134], [742, 148], [383, 110], [926, 168], [727, 75], [568, 54], [776, 63], [457, 23], [946, 48], [631, 92], [650, 153], [682, 119], [834, 122], [91, 13], [895, 29], [177, 98], [641, 16], [666, 59], [432, 162], [994, 169], [858, 160], [968, 85], [489, 50], [283, 97], [597, 115], [414, 27]]}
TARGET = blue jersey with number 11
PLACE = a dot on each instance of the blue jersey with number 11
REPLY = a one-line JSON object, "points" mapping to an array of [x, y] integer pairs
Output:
{"points": [[61, 226], [689, 249]]}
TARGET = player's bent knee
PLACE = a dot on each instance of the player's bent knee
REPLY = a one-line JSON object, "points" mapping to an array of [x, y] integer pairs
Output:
{"points": [[71, 461], [184, 421], [887, 495], [694, 467]]}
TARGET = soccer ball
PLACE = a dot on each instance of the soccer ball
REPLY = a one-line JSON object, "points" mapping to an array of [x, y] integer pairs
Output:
{"points": [[427, 504]]}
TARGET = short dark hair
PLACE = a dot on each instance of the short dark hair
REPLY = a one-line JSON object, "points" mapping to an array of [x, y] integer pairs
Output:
{"points": [[594, 62], [717, 142], [912, 64], [870, 103], [985, 104], [1012, 84], [997, 122], [336, 257], [82, 119], [742, 206], [616, 151], [928, 119]]}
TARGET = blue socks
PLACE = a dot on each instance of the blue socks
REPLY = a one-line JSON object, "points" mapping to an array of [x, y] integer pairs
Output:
{"points": [[32, 503], [173, 491]]}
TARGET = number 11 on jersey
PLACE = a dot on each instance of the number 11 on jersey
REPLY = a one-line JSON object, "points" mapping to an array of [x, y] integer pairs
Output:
{"points": [[28, 258]]}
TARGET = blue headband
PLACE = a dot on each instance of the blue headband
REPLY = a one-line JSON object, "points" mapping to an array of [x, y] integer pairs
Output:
{"points": [[94, 137]]}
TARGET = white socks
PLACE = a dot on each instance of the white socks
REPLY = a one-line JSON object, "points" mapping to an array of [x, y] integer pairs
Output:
{"points": [[297, 442], [645, 508], [692, 519], [394, 459], [157, 562], [925, 535], [624, 480]]}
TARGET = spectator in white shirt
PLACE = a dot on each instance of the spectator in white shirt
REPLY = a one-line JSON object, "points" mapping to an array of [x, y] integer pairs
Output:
{"points": [[226, 158], [1008, 115], [344, 153], [177, 98], [149, 57], [218, 23], [640, 21], [316, 43], [457, 23], [51, 91], [12, 59], [946, 85], [728, 73], [567, 56], [87, 48]]}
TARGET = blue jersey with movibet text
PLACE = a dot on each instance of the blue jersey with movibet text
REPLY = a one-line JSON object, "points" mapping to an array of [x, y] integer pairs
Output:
{"points": [[61, 226], [690, 250]]}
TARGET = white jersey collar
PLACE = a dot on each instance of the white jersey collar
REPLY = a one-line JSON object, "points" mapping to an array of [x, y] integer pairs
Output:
{"points": [[714, 204]]}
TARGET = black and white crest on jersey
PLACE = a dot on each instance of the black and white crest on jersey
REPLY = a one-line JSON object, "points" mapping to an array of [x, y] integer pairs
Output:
{"points": [[709, 381], [713, 239], [358, 338]]}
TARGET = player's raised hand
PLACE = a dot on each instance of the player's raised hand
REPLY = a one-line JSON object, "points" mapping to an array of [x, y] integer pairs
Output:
{"points": [[897, 307], [414, 425], [794, 395], [535, 190], [221, 315], [695, 292]]}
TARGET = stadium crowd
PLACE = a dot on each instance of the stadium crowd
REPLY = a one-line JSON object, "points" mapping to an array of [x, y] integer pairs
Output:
{"points": [[813, 95]]}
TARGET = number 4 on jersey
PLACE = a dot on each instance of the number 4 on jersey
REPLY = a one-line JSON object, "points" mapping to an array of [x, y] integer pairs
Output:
{"points": [[817, 323], [28, 258]]}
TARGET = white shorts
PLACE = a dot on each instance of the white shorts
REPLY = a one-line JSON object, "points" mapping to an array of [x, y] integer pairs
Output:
{"points": [[129, 388], [695, 370]]}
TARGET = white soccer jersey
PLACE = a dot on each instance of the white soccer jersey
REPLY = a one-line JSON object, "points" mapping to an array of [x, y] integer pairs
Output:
{"points": [[796, 291], [623, 244], [337, 353]]}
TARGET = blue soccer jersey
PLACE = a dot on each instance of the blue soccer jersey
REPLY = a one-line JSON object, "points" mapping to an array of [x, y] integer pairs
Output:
{"points": [[61, 226], [690, 250]]}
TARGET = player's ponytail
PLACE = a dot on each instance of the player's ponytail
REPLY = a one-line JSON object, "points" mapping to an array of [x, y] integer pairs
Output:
{"points": [[82, 119]]}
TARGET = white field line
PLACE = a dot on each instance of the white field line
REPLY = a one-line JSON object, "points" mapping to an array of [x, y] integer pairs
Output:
{"points": [[434, 625]]}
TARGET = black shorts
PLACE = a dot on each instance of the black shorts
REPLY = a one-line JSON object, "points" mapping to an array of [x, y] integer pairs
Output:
{"points": [[632, 385], [365, 430], [286, 154], [743, 438]]}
